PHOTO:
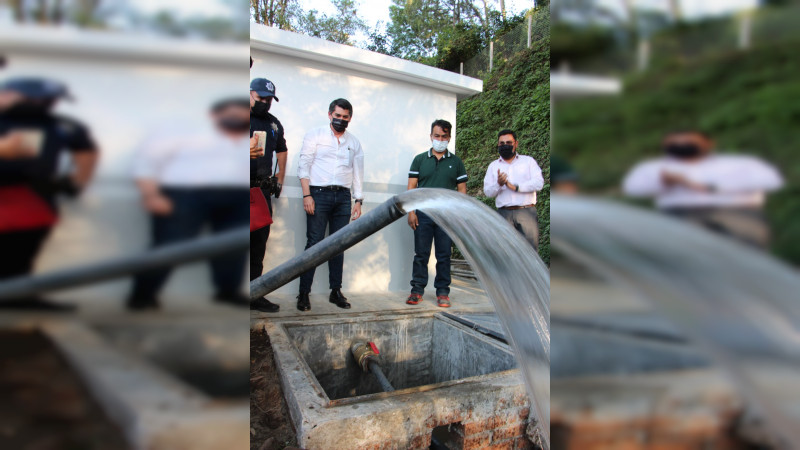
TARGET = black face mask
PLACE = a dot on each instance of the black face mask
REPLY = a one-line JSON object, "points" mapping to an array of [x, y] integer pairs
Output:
{"points": [[506, 151], [260, 109], [29, 110], [234, 124], [339, 125], [682, 151]]}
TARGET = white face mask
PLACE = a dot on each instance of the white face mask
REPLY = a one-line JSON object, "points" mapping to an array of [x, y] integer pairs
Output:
{"points": [[439, 146]]}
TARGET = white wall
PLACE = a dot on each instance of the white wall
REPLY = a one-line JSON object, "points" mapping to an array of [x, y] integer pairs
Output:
{"points": [[123, 96], [392, 119]]}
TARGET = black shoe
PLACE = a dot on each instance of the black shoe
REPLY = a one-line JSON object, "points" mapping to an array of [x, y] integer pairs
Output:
{"points": [[262, 304], [338, 299], [36, 304], [234, 299], [303, 302], [142, 304]]}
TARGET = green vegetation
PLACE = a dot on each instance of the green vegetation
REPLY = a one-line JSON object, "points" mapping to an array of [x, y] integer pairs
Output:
{"points": [[517, 96], [745, 100]]}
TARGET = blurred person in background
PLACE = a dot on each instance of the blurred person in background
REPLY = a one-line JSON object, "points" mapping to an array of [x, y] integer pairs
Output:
{"points": [[563, 177], [512, 180], [722, 192], [331, 164], [191, 180], [34, 140], [434, 168], [262, 172]]}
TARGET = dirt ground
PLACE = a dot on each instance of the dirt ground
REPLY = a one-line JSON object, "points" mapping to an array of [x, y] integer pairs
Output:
{"points": [[43, 404], [270, 425]]}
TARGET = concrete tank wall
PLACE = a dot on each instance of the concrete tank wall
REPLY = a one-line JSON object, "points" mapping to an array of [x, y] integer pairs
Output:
{"points": [[413, 352]]}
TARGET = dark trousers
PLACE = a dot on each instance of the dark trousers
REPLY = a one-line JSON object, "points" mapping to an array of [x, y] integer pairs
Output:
{"points": [[220, 208], [747, 225], [428, 233], [331, 210], [258, 244], [19, 250], [526, 221]]}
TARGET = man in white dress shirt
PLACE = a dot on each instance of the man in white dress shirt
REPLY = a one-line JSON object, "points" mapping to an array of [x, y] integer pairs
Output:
{"points": [[512, 180], [331, 172], [724, 193], [192, 179]]}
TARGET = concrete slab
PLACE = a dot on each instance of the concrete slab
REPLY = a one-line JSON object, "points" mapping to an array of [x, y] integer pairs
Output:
{"points": [[465, 295], [155, 410]]}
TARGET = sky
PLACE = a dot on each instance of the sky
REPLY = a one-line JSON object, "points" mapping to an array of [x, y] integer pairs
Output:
{"points": [[691, 9], [182, 7], [373, 11]]}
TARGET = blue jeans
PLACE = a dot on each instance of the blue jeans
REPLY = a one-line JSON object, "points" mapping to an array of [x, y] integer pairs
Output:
{"points": [[331, 210], [428, 233], [222, 209]]}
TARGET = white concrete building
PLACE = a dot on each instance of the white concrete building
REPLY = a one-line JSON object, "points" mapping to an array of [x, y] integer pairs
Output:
{"points": [[394, 103], [126, 86], [129, 86]]}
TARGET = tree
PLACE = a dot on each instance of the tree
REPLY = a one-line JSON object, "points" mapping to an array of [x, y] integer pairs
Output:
{"points": [[440, 33], [339, 28], [276, 13], [82, 13]]}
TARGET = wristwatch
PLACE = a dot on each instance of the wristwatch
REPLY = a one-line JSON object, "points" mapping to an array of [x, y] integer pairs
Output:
{"points": [[360, 200]]}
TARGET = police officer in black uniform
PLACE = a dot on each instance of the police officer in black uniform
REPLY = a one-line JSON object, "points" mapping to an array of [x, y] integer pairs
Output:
{"points": [[262, 93], [36, 174]]}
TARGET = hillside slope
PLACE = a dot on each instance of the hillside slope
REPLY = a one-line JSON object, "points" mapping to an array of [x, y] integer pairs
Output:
{"points": [[516, 96], [747, 101]]}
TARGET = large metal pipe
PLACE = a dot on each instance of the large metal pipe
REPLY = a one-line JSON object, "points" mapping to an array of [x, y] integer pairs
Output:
{"points": [[375, 369], [329, 247], [168, 255]]}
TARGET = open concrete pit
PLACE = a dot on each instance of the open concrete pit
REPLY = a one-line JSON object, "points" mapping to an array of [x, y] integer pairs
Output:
{"points": [[458, 382], [450, 381]]}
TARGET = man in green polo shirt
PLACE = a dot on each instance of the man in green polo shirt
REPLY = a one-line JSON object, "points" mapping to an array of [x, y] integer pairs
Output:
{"points": [[435, 168]]}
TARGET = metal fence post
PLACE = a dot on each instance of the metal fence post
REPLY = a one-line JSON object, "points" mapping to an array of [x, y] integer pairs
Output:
{"points": [[643, 55], [530, 29], [745, 30], [491, 55]]}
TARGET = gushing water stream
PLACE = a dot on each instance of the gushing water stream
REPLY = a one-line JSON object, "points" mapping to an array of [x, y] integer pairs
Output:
{"points": [[738, 305], [513, 275]]}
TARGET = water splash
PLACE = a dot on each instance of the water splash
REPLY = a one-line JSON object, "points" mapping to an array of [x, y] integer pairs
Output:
{"points": [[736, 304], [515, 278]]}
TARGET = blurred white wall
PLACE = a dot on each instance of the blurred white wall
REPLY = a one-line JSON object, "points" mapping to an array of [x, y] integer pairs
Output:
{"points": [[394, 103], [126, 88]]}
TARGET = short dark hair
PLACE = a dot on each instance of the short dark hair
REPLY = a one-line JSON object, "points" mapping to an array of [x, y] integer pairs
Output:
{"points": [[341, 103], [507, 131], [699, 132], [443, 124], [220, 105]]}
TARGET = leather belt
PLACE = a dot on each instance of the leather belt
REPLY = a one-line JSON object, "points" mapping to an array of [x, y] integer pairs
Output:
{"points": [[511, 208], [259, 182], [331, 188]]}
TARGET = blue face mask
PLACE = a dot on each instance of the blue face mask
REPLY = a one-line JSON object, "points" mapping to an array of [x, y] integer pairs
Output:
{"points": [[439, 146]]}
